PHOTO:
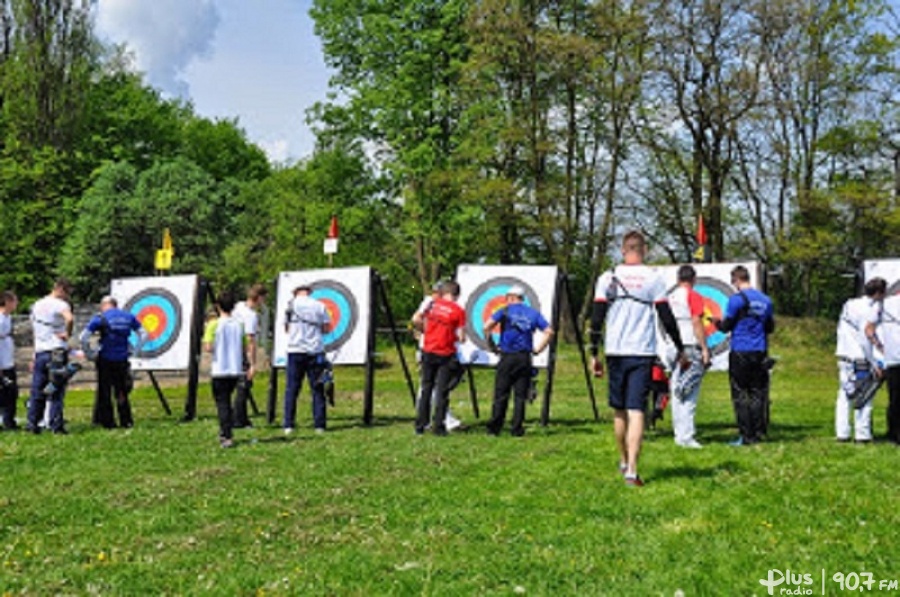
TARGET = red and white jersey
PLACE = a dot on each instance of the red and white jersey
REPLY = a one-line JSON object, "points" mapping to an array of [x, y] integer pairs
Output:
{"points": [[632, 292], [686, 304], [442, 324]]}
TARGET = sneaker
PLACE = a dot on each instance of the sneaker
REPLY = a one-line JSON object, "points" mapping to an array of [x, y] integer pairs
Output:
{"points": [[634, 481], [288, 430], [320, 430], [737, 443], [226, 442], [691, 443]]}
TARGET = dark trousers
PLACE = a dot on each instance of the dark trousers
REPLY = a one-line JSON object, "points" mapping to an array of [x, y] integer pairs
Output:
{"points": [[222, 388], [436, 373], [241, 398], [892, 376], [112, 381], [9, 397], [37, 402], [298, 366], [513, 373], [749, 393]]}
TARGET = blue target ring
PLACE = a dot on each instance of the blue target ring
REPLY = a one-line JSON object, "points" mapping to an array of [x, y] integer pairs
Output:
{"points": [[159, 311], [342, 310], [487, 298]]}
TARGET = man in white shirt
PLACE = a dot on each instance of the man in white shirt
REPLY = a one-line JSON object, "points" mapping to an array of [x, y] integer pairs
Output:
{"points": [[883, 331], [632, 295], [224, 338], [9, 387], [306, 322], [854, 354], [247, 312], [52, 320]]}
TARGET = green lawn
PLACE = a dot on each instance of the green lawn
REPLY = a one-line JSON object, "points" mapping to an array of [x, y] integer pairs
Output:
{"points": [[161, 509]]}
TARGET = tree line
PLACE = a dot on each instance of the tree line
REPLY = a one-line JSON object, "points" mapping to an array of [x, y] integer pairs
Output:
{"points": [[497, 131]]}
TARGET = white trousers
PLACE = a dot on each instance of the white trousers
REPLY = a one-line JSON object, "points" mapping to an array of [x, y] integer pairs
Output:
{"points": [[842, 408], [684, 407]]}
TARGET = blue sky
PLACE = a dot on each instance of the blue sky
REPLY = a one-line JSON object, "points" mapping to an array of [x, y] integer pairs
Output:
{"points": [[257, 60]]}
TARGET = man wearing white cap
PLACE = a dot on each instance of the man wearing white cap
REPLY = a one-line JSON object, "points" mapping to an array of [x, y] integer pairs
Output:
{"points": [[113, 371], [517, 322]]}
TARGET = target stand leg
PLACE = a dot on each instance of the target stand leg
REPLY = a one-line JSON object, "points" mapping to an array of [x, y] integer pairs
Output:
{"points": [[159, 393]]}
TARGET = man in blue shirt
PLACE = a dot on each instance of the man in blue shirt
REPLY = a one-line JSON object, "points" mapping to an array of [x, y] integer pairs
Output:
{"points": [[113, 369], [517, 322], [749, 317]]}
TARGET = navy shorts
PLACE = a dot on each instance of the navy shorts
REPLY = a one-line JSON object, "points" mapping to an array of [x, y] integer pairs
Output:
{"points": [[629, 381]]}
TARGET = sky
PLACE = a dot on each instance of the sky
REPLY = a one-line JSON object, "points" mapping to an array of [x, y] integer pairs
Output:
{"points": [[255, 60]]}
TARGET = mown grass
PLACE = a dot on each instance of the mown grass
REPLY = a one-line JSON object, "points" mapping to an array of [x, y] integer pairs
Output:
{"points": [[161, 509]]}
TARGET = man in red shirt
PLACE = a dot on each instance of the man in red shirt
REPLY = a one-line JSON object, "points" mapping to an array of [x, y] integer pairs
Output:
{"points": [[444, 325]]}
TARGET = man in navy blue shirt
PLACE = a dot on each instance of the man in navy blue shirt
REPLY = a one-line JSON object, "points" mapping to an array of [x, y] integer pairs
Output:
{"points": [[749, 317], [113, 371], [517, 322]]}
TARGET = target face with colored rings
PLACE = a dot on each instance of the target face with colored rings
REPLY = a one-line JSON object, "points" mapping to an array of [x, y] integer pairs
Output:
{"points": [[342, 311], [488, 298], [159, 311], [715, 294]]}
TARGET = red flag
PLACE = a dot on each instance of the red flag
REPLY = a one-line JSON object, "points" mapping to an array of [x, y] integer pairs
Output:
{"points": [[701, 232], [333, 228]]}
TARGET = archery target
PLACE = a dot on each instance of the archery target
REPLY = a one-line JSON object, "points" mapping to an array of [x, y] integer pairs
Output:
{"points": [[165, 306], [345, 293], [342, 311], [889, 269], [483, 293], [486, 300], [713, 284], [159, 311]]}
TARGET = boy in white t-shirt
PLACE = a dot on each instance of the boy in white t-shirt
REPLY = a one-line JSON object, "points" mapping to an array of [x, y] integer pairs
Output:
{"points": [[224, 338]]}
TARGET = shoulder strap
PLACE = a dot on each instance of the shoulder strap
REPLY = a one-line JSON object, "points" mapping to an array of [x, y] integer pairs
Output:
{"points": [[612, 294]]}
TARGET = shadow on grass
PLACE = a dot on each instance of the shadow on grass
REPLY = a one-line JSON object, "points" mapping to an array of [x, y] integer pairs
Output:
{"points": [[696, 472]]}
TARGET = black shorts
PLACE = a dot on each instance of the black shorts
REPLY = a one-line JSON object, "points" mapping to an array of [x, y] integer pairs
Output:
{"points": [[629, 381]]}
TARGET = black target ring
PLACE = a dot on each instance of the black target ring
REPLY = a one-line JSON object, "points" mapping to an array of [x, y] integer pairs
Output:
{"points": [[343, 311]]}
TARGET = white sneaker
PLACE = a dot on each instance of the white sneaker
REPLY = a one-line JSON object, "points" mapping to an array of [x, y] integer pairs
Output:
{"points": [[691, 443], [288, 430]]}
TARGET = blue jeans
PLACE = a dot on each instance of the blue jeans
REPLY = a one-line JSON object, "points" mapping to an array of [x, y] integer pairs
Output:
{"points": [[310, 365], [38, 401]]}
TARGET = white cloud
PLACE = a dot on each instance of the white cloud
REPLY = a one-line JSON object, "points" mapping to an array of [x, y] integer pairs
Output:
{"points": [[278, 150], [165, 36]]}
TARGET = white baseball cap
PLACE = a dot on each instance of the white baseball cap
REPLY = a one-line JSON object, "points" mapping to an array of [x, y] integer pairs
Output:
{"points": [[516, 290]]}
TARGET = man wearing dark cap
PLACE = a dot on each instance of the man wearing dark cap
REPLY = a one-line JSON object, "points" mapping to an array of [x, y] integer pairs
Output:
{"points": [[114, 326], [518, 323]]}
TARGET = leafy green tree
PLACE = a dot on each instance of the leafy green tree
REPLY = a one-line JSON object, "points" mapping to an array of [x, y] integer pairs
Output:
{"points": [[221, 148]]}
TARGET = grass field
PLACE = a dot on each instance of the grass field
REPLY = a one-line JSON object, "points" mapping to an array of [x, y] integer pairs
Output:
{"points": [[161, 509]]}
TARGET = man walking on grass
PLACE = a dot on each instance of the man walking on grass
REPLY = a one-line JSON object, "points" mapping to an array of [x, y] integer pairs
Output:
{"points": [[627, 299]]}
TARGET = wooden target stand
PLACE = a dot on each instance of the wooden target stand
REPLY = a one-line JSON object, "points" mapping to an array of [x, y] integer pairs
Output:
{"points": [[562, 289], [377, 298]]}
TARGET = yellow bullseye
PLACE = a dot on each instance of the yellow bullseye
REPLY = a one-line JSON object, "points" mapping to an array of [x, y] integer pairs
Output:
{"points": [[151, 322]]}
